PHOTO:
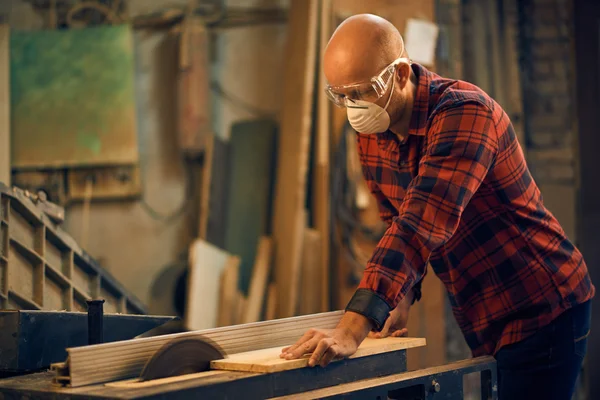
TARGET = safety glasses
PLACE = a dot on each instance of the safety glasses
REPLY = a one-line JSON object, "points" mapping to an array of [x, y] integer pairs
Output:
{"points": [[368, 91]]}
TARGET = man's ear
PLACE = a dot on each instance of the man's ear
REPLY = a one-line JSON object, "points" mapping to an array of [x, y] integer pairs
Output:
{"points": [[403, 72]]}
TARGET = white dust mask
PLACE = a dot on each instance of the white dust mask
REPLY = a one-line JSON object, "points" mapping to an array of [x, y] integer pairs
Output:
{"points": [[367, 117]]}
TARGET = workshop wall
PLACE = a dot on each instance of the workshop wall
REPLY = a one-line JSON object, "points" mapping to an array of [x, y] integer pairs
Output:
{"points": [[146, 254], [548, 80], [132, 239]]}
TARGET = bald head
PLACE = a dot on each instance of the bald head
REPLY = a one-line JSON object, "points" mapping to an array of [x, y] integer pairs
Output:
{"points": [[360, 48]]}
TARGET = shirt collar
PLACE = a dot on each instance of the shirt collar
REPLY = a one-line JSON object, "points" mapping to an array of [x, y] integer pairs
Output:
{"points": [[420, 111]]}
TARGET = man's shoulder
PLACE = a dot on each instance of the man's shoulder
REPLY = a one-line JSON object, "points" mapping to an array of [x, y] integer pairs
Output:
{"points": [[453, 93]]}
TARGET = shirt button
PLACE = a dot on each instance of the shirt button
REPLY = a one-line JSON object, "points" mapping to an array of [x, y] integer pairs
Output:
{"points": [[402, 163]]}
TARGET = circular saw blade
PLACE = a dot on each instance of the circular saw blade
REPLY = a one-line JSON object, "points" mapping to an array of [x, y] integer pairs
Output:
{"points": [[181, 356]]}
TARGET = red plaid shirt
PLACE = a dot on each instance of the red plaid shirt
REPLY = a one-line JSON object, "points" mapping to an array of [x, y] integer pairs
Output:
{"points": [[457, 193]]}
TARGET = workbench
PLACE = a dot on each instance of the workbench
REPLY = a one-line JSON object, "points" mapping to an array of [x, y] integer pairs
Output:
{"points": [[374, 377]]}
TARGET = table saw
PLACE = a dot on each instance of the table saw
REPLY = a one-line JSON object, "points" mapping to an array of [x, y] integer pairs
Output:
{"points": [[242, 362]]}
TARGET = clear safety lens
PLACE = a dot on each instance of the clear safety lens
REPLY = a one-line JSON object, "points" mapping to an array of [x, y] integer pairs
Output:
{"points": [[367, 91]]}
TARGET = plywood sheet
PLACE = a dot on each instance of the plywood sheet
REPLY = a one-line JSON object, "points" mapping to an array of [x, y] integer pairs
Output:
{"points": [[294, 145], [72, 94], [214, 186], [206, 266], [251, 166], [268, 360]]}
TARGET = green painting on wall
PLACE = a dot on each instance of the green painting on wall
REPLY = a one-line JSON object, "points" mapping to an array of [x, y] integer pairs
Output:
{"points": [[72, 98]]}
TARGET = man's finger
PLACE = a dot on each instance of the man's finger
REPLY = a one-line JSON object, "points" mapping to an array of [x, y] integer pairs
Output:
{"points": [[400, 332], [322, 346], [329, 355], [300, 350], [305, 338]]}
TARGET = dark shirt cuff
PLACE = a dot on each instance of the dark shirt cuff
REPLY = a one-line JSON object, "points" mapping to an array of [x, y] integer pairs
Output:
{"points": [[369, 304], [417, 290]]}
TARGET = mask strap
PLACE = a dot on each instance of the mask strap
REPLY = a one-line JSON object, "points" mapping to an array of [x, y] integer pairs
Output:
{"points": [[391, 91]]}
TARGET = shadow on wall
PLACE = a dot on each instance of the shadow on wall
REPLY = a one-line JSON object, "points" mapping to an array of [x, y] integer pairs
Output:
{"points": [[167, 293]]}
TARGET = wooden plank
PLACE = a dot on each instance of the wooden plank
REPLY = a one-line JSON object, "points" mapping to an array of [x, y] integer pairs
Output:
{"points": [[251, 166], [194, 122], [268, 360], [229, 294], [258, 284], [206, 265], [312, 275], [214, 191], [137, 383], [5, 104], [322, 196], [294, 145], [121, 360], [271, 309]]}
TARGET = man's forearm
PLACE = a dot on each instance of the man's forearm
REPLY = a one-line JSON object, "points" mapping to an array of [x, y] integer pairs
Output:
{"points": [[356, 324]]}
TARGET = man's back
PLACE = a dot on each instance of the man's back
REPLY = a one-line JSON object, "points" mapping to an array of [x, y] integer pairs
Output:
{"points": [[507, 264]]}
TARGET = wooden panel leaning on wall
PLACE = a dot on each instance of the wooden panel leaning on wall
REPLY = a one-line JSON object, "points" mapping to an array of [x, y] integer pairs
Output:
{"points": [[4, 105]]}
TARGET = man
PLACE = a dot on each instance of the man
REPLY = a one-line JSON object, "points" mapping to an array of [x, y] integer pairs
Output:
{"points": [[442, 159]]}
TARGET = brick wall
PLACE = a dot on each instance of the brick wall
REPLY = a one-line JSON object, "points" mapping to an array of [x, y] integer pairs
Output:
{"points": [[547, 79]]}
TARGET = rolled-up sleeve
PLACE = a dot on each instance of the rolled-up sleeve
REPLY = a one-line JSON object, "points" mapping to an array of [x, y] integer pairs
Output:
{"points": [[461, 147]]}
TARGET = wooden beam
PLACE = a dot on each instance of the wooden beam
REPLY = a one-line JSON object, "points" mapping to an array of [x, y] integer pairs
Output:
{"points": [[5, 105], [294, 145], [121, 360], [322, 196]]}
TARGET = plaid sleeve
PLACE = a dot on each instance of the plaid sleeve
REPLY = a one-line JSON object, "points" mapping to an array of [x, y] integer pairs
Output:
{"points": [[461, 148]]}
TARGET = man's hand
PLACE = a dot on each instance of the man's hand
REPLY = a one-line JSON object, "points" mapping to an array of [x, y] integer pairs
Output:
{"points": [[327, 345], [395, 325]]}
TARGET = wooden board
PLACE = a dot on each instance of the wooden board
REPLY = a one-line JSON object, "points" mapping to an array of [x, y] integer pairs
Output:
{"points": [[260, 278], [251, 166], [312, 275], [228, 292], [322, 194], [194, 108], [206, 266], [268, 360], [4, 105], [293, 149]]}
